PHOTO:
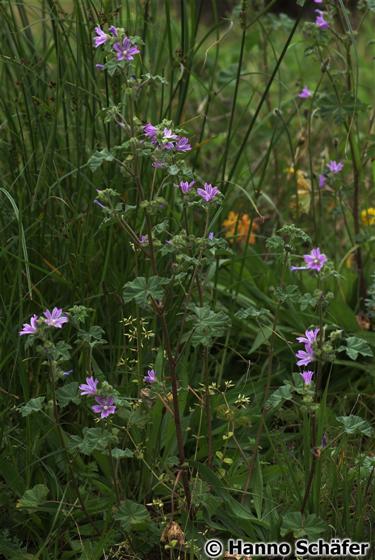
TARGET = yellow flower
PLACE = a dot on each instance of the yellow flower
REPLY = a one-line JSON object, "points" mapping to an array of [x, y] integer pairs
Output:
{"points": [[368, 217], [237, 227]]}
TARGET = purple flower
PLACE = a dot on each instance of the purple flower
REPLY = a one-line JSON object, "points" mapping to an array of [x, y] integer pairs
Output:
{"points": [[150, 130], [211, 235], [315, 260], [101, 37], [335, 167], [150, 377], [30, 328], [318, 1], [305, 93], [182, 144], [307, 376], [105, 406], [305, 357], [185, 187], [322, 181], [113, 30], [55, 318], [125, 50], [168, 134], [310, 337], [99, 66], [168, 137], [320, 21], [98, 203], [208, 193], [158, 164], [143, 239], [89, 388]]}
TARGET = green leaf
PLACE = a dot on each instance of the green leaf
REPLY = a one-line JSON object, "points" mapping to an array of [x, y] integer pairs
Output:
{"points": [[311, 525], [68, 393], [339, 109], [93, 337], [33, 498], [356, 346], [94, 439], [98, 158], [355, 425], [33, 405], [142, 289], [283, 393], [207, 325], [253, 312], [371, 5], [365, 464], [288, 294], [61, 351], [133, 516], [122, 453]]}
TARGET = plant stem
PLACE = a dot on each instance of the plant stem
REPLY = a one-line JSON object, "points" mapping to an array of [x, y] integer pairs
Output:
{"points": [[176, 409]]}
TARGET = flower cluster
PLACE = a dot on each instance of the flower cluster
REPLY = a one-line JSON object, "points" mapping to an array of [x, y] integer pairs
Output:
{"points": [[105, 405], [320, 21], [55, 318], [207, 193], [305, 93], [238, 227], [150, 377], [166, 139], [120, 46], [368, 217], [314, 261], [333, 168], [307, 355]]}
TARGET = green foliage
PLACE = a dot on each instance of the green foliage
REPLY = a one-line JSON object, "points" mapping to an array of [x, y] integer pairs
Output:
{"points": [[339, 106], [142, 290], [356, 425], [356, 346], [207, 325], [67, 394], [310, 526], [93, 337], [133, 517], [33, 405], [94, 439], [278, 397], [33, 498], [98, 158], [122, 453]]}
